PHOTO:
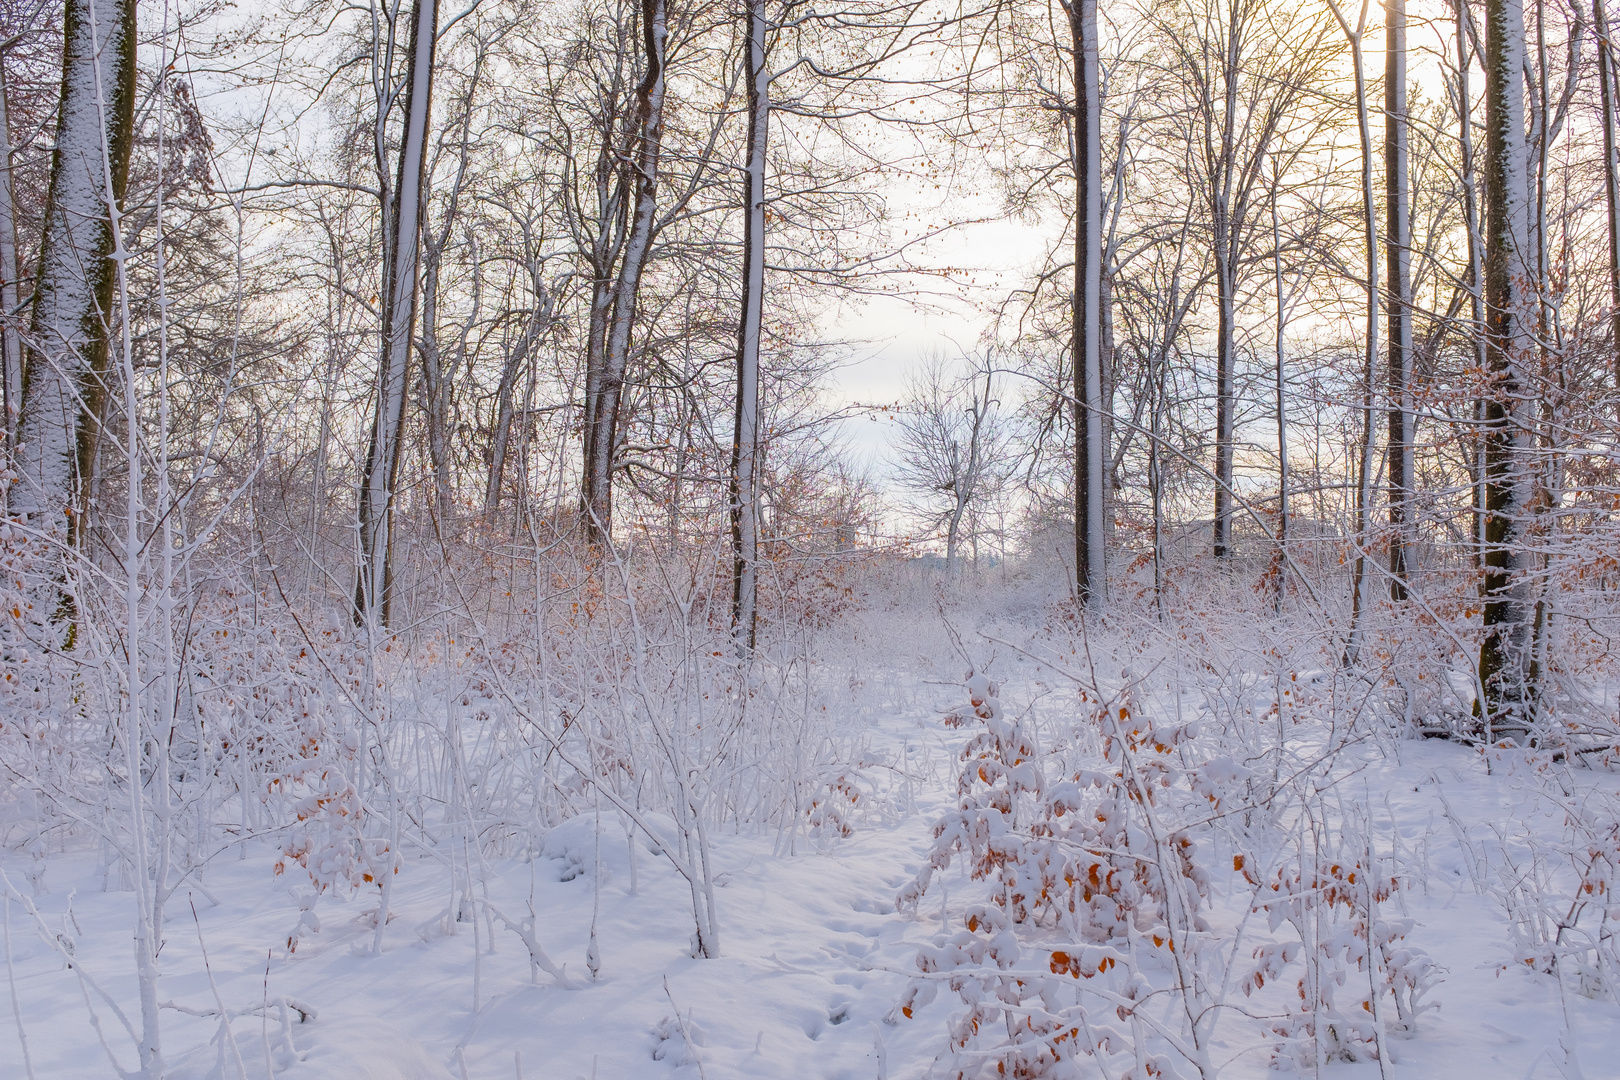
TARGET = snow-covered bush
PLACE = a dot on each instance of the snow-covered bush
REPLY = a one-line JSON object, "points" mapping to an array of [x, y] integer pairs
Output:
{"points": [[1098, 863], [1356, 964], [1190, 778]]}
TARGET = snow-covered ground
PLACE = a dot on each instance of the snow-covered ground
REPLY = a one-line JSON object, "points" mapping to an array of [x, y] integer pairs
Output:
{"points": [[814, 955]]}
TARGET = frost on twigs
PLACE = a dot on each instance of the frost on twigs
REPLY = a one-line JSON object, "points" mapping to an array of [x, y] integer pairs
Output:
{"points": [[1090, 886], [1557, 892], [832, 810], [1357, 972], [1110, 843]]}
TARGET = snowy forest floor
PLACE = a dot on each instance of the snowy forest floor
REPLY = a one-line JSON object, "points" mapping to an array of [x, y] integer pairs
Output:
{"points": [[814, 954]]}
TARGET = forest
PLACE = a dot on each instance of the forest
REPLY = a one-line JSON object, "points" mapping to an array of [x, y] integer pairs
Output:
{"points": [[967, 539]]}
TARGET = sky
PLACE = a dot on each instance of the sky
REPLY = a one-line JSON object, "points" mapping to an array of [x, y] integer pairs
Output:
{"points": [[894, 334]]}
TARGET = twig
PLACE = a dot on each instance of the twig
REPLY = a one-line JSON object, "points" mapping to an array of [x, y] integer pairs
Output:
{"points": [[679, 1022], [16, 1006]]}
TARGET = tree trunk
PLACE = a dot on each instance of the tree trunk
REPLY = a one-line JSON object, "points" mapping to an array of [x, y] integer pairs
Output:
{"points": [[1225, 356], [65, 380], [602, 425], [1476, 270], [1511, 319], [11, 356], [1090, 452], [539, 321], [601, 311], [745, 438], [1369, 213], [435, 395], [1611, 170], [1281, 376], [1226, 272], [438, 374], [1398, 255], [373, 593]]}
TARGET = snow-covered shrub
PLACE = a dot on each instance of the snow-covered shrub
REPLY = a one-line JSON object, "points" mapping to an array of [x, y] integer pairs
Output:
{"points": [[832, 808], [1096, 864], [1558, 892], [1359, 980]]}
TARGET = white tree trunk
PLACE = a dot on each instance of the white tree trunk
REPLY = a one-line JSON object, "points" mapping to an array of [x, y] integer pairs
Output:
{"points": [[65, 381], [1091, 453], [373, 594], [1510, 345], [745, 439]]}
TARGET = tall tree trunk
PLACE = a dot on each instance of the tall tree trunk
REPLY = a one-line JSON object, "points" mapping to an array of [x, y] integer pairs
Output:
{"points": [[435, 388], [1611, 170], [1476, 266], [1369, 215], [438, 375], [745, 437], [373, 592], [65, 378], [601, 312], [1226, 273], [1281, 377], [602, 425], [1398, 255], [1511, 317], [1225, 420], [11, 354], [1090, 451]]}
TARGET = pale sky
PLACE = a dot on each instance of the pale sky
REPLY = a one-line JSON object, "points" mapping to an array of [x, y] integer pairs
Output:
{"points": [[897, 332]]}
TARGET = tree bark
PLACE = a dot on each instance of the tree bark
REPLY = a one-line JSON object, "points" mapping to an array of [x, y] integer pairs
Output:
{"points": [[1090, 451], [1476, 266], [1510, 317], [1611, 170], [516, 360], [1226, 272], [1281, 378], [1369, 213], [1398, 256], [11, 354], [745, 437], [602, 423], [65, 378], [374, 593]]}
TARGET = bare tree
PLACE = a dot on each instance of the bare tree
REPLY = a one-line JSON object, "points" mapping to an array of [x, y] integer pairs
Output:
{"points": [[1369, 221], [1398, 249], [1252, 71], [27, 46], [953, 448], [1611, 168], [440, 365], [373, 592], [11, 362], [745, 438], [604, 382], [1475, 271]]}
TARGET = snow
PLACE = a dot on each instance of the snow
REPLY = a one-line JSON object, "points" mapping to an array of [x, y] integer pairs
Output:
{"points": [[815, 955]]}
